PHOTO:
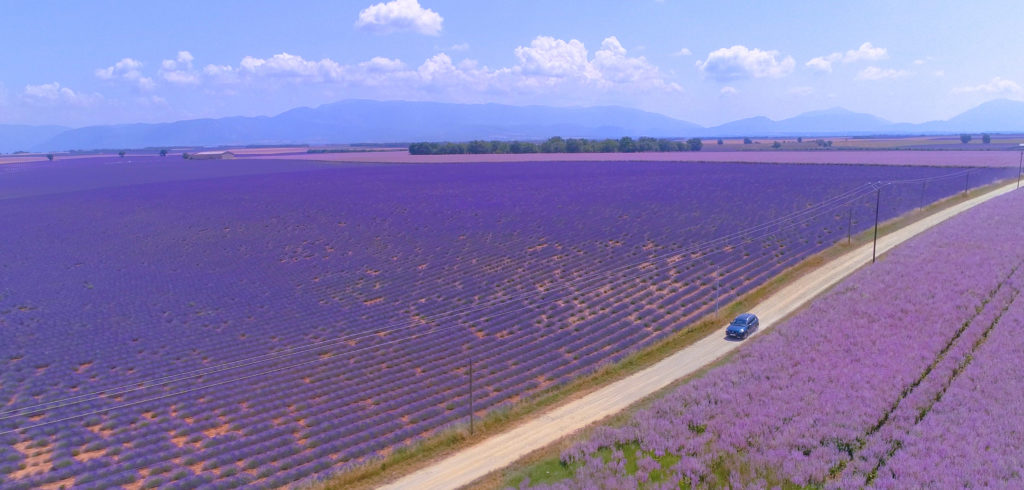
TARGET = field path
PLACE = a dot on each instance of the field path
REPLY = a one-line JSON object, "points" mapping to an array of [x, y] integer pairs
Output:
{"points": [[467, 465]]}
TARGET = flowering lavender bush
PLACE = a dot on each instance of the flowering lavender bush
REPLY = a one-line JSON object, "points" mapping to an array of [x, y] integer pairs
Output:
{"points": [[257, 322], [889, 380]]}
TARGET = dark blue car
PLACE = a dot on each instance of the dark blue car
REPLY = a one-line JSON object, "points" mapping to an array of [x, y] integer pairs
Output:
{"points": [[742, 326]]}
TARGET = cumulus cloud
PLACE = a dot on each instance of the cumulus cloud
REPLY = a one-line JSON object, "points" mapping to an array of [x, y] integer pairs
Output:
{"points": [[866, 52], [179, 70], [550, 61], [545, 63], [291, 66], [460, 47], [876, 73], [127, 69], [54, 93], [740, 62], [550, 57], [683, 52], [400, 15], [727, 90], [997, 85]]}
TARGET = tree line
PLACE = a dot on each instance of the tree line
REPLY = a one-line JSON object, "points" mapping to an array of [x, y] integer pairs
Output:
{"points": [[557, 145]]}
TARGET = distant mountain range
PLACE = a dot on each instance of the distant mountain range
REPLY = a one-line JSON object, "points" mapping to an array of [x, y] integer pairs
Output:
{"points": [[365, 121]]}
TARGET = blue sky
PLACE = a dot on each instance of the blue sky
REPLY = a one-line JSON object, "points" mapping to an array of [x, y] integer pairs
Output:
{"points": [[98, 62]]}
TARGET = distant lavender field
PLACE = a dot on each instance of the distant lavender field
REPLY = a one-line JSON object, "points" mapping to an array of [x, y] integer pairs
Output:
{"points": [[258, 322], [863, 157], [905, 375]]}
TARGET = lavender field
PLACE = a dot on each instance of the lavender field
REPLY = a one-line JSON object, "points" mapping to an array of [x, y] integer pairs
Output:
{"points": [[260, 322], [905, 375]]}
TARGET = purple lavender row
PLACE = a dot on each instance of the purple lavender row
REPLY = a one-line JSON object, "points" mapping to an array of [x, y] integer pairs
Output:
{"points": [[806, 402], [971, 436], [158, 279]]}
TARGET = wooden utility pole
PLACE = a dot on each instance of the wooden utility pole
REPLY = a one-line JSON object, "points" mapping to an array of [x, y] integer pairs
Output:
{"points": [[470, 396], [874, 245]]}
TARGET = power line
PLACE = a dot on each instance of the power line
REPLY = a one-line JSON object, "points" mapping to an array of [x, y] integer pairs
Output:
{"points": [[245, 362], [319, 359]]}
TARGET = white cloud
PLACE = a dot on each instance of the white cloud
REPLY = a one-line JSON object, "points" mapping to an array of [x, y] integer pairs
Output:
{"points": [[221, 73], [683, 52], [550, 57], [803, 90], [400, 15], [997, 85], [460, 47], [546, 63], [179, 70], [866, 52], [727, 90], [54, 93], [739, 62], [876, 73], [126, 69], [290, 66]]}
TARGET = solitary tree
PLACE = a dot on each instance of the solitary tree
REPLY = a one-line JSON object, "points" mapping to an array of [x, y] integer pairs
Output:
{"points": [[776, 145], [695, 144], [965, 138], [799, 139], [720, 141], [184, 155], [747, 141], [985, 138], [120, 153], [163, 152], [49, 156]]}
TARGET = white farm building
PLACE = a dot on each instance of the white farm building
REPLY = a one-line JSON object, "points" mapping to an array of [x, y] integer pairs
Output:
{"points": [[212, 155]]}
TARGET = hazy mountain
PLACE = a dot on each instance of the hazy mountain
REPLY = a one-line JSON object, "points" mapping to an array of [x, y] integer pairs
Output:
{"points": [[829, 121], [1000, 115], [24, 138], [364, 121]]}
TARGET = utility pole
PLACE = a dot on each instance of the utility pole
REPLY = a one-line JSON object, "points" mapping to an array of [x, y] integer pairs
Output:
{"points": [[923, 185], [849, 226], [1020, 166], [471, 395], [718, 294], [967, 182], [878, 200]]}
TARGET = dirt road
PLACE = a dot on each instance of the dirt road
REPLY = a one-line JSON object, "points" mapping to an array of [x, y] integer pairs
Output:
{"points": [[503, 449]]}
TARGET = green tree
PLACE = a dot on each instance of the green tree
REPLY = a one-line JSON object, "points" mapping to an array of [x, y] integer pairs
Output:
{"points": [[646, 143], [523, 147], [608, 145], [799, 139], [478, 147], [120, 153], [627, 145], [965, 138], [776, 145], [985, 138], [747, 141], [184, 155], [575, 145], [163, 152], [49, 156], [720, 141], [694, 144], [554, 144]]}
